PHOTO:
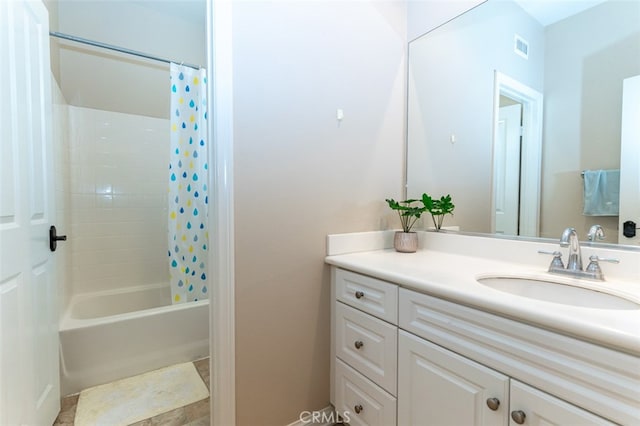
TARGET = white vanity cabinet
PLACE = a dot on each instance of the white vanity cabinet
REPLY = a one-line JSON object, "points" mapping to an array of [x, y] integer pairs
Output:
{"points": [[577, 373], [457, 365], [439, 387], [364, 349]]}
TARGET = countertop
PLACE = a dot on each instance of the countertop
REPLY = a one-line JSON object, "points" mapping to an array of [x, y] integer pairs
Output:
{"points": [[453, 277]]}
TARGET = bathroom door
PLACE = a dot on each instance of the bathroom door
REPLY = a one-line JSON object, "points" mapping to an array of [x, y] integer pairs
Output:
{"points": [[507, 169], [29, 379], [630, 159]]}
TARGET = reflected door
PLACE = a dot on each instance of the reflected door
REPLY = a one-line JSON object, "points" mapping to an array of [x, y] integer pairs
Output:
{"points": [[630, 159], [507, 169], [29, 385]]}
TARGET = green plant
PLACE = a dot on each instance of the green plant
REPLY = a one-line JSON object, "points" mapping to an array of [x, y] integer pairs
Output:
{"points": [[408, 213], [438, 208]]}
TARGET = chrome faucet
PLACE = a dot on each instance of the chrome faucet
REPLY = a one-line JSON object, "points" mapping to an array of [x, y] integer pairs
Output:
{"points": [[595, 233], [569, 238]]}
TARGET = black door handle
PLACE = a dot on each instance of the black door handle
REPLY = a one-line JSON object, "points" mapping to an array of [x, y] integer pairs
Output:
{"points": [[54, 238]]}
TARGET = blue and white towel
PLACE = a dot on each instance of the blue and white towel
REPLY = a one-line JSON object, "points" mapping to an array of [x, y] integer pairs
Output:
{"points": [[601, 192]]}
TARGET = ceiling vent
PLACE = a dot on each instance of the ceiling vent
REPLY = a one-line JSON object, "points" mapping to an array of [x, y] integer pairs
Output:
{"points": [[521, 46]]}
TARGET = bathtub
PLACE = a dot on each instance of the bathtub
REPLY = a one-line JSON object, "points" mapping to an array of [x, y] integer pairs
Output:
{"points": [[105, 336]]}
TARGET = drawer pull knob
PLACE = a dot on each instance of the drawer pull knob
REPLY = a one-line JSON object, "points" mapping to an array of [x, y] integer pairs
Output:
{"points": [[493, 403], [359, 294], [518, 416], [358, 344], [358, 409]]}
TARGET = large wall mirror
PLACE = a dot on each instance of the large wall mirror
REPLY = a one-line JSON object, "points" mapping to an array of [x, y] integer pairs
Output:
{"points": [[556, 70]]}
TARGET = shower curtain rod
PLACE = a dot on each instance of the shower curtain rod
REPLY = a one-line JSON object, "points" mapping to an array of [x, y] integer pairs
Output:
{"points": [[116, 48]]}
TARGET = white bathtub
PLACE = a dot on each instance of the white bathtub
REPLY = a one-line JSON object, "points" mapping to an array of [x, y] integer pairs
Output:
{"points": [[110, 335]]}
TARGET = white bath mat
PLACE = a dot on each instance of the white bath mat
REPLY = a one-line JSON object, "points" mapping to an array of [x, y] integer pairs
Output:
{"points": [[140, 397]]}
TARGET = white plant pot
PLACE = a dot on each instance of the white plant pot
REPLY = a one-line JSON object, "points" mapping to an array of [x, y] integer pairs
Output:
{"points": [[405, 242]]}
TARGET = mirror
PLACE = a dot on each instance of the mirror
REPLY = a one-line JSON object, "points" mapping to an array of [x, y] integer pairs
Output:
{"points": [[575, 62]]}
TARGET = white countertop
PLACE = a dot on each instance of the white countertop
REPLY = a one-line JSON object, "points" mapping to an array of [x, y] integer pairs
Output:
{"points": [[453, 277]]}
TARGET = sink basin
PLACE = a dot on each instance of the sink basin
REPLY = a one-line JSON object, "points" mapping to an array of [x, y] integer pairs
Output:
{"points": [[557, 292]]}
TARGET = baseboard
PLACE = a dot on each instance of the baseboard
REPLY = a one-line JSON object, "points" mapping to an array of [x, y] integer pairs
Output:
{"points": [[325, 417]]}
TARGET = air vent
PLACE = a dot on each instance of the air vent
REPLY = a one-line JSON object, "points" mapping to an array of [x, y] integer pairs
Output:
{"points": [[521, 46]]}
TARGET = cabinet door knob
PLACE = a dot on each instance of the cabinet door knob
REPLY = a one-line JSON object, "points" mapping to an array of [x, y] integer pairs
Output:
{"points": [[358, 408], [493, 403], [359, 294], [518, 416], [358, 344]]}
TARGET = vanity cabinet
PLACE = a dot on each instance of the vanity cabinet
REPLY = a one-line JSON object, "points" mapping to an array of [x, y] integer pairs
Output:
{"points": [[364, 349], [429, 361], [439, 387]]}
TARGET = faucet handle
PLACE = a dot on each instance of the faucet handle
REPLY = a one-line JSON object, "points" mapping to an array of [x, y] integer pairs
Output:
{"points": [[597, 259], [556, 263], [594, 267], [553, 253]]}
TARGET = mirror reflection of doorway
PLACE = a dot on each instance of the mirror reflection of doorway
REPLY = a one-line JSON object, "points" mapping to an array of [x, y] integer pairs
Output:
{"points": [[507, 166], [517, 153]]}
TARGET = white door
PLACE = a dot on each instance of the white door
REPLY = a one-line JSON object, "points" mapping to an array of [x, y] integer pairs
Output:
{"points": [[507, 169], [532, 407], [439, 387], [630, 159], [29, 381]]}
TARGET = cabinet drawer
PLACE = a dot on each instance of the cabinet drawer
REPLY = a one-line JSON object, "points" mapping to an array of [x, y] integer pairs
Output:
{"points": [[368, 345], [361, 402], [539, 408], [379, 298]]}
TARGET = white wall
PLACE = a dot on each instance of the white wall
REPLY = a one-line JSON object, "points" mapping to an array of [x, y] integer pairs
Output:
{"points": [[451, 89], [300, 175], [588, 56], [102, 79], [118, 199]]}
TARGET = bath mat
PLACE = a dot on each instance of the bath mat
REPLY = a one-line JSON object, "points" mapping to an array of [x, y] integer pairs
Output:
{"points": [[130, 400]]}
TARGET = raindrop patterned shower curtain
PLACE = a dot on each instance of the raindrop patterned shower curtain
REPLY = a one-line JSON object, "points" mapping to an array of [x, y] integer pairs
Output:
{"points": [[188, 176]]}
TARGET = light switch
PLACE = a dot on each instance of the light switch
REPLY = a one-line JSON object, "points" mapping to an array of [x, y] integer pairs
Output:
{"points": [[452, 138], [339, 114]]}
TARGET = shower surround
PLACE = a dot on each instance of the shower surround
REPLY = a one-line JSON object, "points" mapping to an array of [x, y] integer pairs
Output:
{"points": [[115, 309], [118, 199]]}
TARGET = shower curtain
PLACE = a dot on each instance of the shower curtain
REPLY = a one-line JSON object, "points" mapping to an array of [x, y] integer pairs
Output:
{"points": [[188, 177]]}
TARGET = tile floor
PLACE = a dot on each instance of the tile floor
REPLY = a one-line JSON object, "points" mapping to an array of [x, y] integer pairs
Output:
{"points": [[196, 414]]}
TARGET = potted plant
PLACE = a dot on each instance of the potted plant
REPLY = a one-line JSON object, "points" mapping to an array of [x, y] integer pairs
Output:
{"points": [[438, 208], [406, 241]]}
